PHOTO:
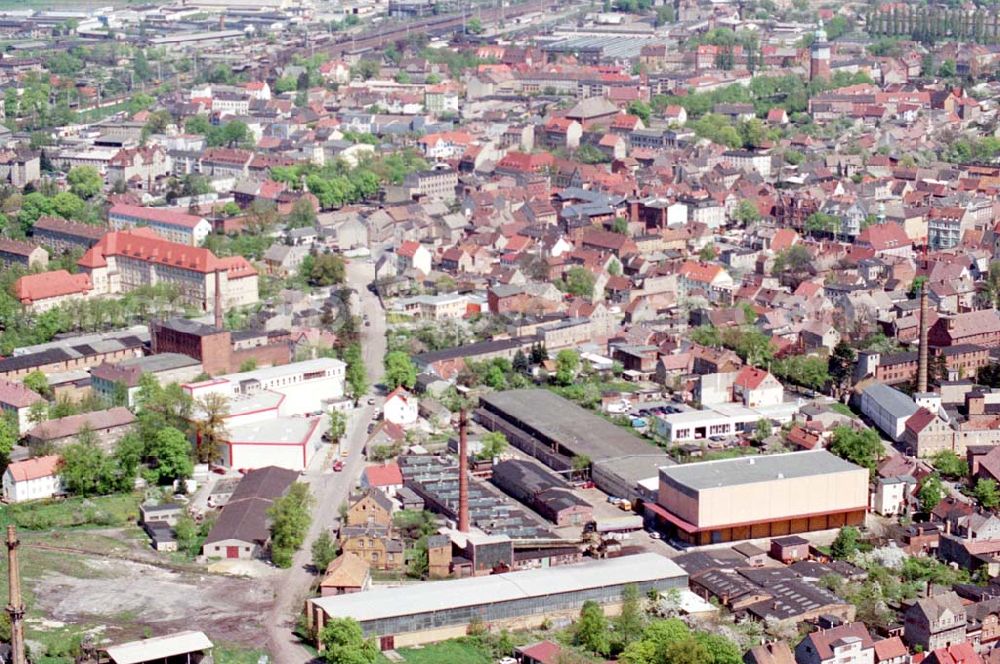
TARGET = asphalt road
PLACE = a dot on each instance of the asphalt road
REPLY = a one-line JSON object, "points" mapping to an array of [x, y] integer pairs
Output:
{"points": [[329, 489]]}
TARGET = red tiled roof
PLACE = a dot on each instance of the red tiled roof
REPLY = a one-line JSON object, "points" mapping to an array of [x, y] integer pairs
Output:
{"points": [[698, 271], [750, 377], [546, 652], [236, 267], [387, 475], [17, 247], [884, 236], [144, 245], [408, 248], [33, 287], [889, 649], [33, 469], [172, 217], [17, 395]]}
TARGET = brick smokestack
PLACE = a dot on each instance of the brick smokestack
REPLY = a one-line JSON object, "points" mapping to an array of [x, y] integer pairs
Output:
{"points": [[15, 609], [219, 323], [922, 361], [463, 474]]}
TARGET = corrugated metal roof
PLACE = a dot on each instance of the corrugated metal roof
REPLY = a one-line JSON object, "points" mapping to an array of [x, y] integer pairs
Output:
{"points": [[443, 595]]}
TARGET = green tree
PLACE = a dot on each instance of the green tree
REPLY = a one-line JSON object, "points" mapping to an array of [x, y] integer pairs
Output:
{"points": [[567, 364], [862, 447], [126, 458], [707, 253], [324, 269], [323, 552], [8, 437], [338, 425], [85, 181], [579, 281], [746, 212], [303, 215], [494, 443], [85, 469], [591, 630], [474, 26], [399, 370], [641, 110], [344, 643], [290, 520], [840, 365], [631, 622], [986, 493], [762, 430], [950, 464], [357, 374], [947, 69], [620, 226], [172, 452], [210, 426], [931, 492], [37, 382], [846, 543]]}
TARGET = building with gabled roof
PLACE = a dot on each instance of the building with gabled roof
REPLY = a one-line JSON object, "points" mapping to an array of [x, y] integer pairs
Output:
{"points": [[126, 260], [174, 225], [32, 479], [44, 290]]}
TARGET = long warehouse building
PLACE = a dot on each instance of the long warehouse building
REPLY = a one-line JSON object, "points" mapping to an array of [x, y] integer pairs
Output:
{"points": [[760, 496], [429, 612], [554, 430]]}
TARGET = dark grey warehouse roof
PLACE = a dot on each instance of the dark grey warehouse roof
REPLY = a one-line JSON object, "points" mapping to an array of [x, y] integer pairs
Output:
{"points": [[573, 427]]}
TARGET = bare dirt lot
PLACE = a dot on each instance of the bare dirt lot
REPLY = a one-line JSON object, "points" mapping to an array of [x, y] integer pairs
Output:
{"points": [[134, 594], [113, 586]]}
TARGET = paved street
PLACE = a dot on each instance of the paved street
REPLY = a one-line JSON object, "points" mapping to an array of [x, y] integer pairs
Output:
{"points": [[329, 489]]}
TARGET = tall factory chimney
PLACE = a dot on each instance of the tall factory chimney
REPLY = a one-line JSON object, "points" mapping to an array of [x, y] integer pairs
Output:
{"points": [[922, 356], [463, 472], [15, 609], [219, 323]]}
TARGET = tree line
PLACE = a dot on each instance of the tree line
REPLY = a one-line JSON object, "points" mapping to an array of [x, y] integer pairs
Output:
{"points": [[932, 23]]}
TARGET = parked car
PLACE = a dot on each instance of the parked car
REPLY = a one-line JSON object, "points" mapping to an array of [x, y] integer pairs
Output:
{"points": [[338, 466]]}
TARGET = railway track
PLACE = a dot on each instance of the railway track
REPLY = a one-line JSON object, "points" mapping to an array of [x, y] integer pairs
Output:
{"points": [[434, 26]]}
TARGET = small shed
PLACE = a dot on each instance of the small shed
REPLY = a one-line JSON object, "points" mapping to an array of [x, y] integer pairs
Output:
{"points": [[790, 549], [190, 647], [755, 556], [167, 513]]}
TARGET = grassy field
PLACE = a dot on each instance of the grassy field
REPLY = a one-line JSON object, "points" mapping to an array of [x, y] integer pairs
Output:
{"points": [[843, 409], [230, 654], [113, 511], [458, 651]]}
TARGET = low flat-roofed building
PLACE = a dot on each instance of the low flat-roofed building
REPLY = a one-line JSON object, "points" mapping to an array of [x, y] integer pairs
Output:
{"points": [[286, 442], [430, 612], [189, 647], [760, 496]]}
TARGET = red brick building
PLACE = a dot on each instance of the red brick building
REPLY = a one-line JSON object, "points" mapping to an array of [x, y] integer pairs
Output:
{"points": [[220, 351]]}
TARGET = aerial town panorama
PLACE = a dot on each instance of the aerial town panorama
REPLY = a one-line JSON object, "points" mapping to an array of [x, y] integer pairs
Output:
{"points": [[500, 331]]}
